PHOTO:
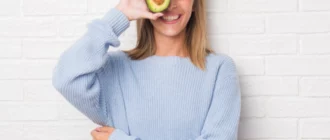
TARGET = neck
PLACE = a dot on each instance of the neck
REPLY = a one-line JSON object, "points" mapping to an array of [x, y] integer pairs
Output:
{"points": [[170, 46]]}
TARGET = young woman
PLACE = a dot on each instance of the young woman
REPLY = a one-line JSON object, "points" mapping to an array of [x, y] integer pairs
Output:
{"points": [[171, 86]]}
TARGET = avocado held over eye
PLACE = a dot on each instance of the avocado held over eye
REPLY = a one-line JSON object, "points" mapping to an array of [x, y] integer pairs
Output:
{"points": [[158, 5]]}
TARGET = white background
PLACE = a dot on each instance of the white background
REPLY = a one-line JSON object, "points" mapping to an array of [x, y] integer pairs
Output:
{"points": [[281, 48]]}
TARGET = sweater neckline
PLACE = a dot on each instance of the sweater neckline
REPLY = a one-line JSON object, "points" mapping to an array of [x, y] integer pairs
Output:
{"points": [[169, 57]]}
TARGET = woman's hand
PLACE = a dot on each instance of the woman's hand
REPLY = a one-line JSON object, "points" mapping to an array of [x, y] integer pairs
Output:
{"points": [[102, 133], [136, 9]]}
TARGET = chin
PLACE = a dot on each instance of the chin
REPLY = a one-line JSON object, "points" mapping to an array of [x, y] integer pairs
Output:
{"points": [[170, 33]]}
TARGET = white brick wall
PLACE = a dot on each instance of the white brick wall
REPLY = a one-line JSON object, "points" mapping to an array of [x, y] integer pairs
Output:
{"points": [[281, 48]]}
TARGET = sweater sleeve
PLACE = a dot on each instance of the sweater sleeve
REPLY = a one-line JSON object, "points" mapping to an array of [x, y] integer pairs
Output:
{"points": [[222, 120], [77, 73]]}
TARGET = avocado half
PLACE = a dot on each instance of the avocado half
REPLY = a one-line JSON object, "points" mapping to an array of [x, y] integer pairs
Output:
{"points": [[158, 5]]}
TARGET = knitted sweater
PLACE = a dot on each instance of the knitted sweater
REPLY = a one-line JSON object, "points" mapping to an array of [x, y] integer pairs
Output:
{"points": [[157, 98]]}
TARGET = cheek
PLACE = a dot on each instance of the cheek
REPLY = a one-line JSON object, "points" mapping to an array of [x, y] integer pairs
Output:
{"points": [[187, 18], [187, 5]]}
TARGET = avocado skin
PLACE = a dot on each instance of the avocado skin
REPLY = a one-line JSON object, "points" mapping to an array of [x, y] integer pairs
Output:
{"points": [[155, 9]]}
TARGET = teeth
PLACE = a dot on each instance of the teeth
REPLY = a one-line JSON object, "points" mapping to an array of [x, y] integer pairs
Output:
{"points": [[170, 18]]}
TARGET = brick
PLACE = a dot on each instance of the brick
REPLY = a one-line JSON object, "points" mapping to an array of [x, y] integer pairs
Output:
{"points": [[74, 26], [253, 107], [12, 90], [235, 23], [252, 65], [315, 5], [219, 44], [69, 112], [36, 48], [268, 128], [10, 8], [315, 128], [10, 69], [38, 69], [59, 130], [101, 6], [298, 107], [40, 90], [263, 5], [263, 44], [54, 7], [11, 131], [217, 5], [26, 69], [298, 23], [315, 44], [28, 27], [315, 87], [12, 48], [19, 111], [268, 85], [298, 65]]}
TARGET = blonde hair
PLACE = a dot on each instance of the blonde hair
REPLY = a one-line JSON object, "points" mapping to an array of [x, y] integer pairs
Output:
{"points": [[196, 37]]}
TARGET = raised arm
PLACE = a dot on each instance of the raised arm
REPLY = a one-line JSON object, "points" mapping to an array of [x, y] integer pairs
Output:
{"points": [[76, 75]]}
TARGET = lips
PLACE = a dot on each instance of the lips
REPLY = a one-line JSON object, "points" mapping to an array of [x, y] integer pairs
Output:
{"points": [[170, 19]]}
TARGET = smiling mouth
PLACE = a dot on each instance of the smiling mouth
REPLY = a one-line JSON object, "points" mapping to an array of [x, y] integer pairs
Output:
{"points": [[170, 19]]}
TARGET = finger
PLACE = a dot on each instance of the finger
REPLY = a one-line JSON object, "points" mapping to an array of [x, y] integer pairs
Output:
{"points": [[157, 15], [148, 15], [153, 16]]}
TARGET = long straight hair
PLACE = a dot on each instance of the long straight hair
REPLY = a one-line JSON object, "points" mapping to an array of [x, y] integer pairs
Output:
{"points": [[196, 40]]}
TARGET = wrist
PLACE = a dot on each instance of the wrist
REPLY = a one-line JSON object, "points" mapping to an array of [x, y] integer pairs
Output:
{"points": [[116, 21], [121, 9]]}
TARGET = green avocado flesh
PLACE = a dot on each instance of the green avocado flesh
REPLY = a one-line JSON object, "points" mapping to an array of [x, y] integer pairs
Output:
{"points": [[158, 5]]}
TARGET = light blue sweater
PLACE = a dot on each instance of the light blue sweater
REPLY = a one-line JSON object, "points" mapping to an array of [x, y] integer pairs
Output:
{"points": [[157, 98]]}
